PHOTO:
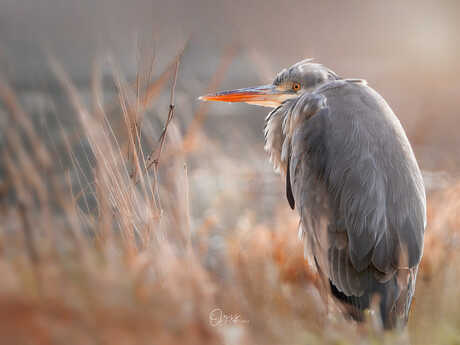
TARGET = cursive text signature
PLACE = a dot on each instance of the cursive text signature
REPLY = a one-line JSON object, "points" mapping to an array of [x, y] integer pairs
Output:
{"points": [[217, 317]]}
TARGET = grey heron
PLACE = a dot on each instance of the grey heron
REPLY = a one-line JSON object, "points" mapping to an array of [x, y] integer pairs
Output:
{"points": [[353, 178]]}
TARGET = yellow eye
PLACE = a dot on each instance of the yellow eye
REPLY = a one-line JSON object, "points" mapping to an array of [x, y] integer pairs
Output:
{"points": [[296, 86]]}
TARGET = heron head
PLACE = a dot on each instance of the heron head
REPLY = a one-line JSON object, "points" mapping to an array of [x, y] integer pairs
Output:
{"points": [[304, 76]]}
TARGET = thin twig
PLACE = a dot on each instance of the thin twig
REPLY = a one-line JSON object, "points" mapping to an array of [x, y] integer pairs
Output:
{"points": [[187, 212], [157, 189], [159, 150]]}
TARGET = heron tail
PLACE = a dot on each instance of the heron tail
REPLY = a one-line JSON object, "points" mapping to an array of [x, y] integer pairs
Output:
{"points": [[394, 300]]}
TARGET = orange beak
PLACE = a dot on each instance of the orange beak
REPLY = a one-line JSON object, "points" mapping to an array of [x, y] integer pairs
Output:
{"points": [[265, 96]]}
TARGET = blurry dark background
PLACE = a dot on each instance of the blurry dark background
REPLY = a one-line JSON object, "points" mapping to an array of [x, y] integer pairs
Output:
{"points": [[407, 50]]}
